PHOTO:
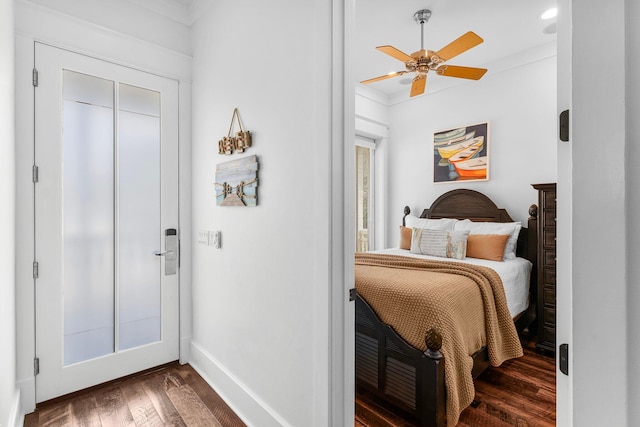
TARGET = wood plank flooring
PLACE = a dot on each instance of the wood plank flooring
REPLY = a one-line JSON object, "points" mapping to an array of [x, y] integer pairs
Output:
{"points": [[170, 395], [521, 392]]}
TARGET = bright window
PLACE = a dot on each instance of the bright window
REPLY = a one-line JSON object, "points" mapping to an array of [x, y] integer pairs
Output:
{"points": [[365, 149]]}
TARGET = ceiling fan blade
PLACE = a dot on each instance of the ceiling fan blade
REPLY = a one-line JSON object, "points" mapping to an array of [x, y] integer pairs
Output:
{"points": [[461, 72], [386, 76], [418, 85], [459, 45], [398, 54]]}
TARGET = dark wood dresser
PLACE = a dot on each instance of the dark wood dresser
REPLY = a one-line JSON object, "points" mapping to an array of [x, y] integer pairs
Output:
{"points": [[546, 267]]}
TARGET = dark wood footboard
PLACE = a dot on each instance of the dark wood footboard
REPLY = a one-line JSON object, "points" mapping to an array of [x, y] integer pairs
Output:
{"points": [[393, 371]]}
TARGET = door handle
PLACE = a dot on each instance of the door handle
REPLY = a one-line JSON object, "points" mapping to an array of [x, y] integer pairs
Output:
{"points": [[170, 252], [162, 253]]}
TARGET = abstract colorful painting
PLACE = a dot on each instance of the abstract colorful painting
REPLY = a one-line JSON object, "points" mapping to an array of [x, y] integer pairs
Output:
{"points": [[461, 154]]}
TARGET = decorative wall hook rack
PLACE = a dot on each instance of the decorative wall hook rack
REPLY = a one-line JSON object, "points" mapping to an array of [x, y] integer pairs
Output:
{"points": [[237, 143]]}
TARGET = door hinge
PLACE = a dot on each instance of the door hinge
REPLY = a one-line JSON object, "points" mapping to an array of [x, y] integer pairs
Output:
{"points": [[35, 269], [564, 126], [36, 366], [35, 77], [352, 294], [564, 359], [34, 174]]}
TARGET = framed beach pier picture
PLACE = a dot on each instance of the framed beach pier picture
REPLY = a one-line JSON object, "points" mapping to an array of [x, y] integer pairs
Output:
{"points": [[237, 182], [461, 154]]}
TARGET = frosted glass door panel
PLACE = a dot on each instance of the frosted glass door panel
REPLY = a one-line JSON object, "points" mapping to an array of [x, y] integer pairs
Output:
{"points": [[88, 217], [139, 216]]}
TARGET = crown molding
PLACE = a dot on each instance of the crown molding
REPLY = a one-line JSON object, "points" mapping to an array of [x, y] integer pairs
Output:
{"points": [[176, 10]]}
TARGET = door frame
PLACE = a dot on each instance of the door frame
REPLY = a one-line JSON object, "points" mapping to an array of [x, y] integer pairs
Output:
{"points": [[100, 43]]}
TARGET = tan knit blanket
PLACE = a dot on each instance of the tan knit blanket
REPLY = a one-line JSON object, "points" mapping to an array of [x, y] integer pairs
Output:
{"points": [[465, 303]]}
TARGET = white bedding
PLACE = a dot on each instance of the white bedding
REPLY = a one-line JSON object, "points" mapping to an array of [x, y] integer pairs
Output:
{"points": [[515, 275]]}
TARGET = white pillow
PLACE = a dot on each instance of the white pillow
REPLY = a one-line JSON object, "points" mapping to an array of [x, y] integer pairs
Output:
{"points": [[510, 228], [412, 221]]}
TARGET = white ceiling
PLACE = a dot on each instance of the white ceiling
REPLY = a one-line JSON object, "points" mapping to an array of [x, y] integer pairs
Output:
{"points": [[508, 27]]}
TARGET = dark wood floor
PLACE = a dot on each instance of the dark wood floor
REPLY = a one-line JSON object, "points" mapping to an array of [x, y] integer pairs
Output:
{"points": [[521, 392], [171, 395]]}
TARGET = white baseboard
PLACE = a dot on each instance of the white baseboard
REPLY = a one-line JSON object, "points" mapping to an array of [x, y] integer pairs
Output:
{"points": [[27, 389], [249, 407], [16, 417]]}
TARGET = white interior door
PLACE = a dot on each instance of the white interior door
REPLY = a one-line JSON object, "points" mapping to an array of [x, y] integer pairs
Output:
{"points": [[106, 221]]}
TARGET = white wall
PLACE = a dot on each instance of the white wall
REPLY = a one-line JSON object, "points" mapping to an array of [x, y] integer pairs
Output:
{"points": [[9, 395], [153, 21], [632, 14], [260, 300], [520, 106], [603, 219], [90, 34]]}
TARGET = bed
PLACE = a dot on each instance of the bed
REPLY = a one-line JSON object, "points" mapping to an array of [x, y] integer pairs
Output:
{"points": [[410, 376]]}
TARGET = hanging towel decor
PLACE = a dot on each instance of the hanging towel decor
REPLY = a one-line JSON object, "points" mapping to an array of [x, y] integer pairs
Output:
{"points": [[238, 143]]}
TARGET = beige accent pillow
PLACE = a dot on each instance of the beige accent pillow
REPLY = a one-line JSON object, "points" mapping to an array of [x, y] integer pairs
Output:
{"points": [[457, 244], [429, 242], [405, 238], [487, 246]]}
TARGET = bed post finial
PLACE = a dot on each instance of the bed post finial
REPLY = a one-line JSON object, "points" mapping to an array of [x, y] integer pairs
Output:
{"points": [[407, 211], [533, 212], [433, 340], [434, 376]]}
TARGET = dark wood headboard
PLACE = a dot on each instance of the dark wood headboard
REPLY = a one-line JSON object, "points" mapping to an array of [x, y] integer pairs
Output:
{"points": [[470, 204], [473, 205]]}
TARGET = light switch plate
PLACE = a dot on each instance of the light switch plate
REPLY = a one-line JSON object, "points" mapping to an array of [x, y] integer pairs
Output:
{"points": [[203, 237]]}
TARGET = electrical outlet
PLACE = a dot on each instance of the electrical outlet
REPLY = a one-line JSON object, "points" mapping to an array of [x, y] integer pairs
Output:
{"points": [[203, 237]]}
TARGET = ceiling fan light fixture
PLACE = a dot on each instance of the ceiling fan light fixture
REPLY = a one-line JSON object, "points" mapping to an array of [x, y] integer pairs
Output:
{"points": [[423, 61], [549, 13]]}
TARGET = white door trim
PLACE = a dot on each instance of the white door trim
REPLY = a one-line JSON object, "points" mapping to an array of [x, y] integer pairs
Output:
{"points": [[52, 382]]}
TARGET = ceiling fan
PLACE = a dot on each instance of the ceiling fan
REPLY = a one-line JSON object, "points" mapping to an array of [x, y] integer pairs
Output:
{"points": [[422, 61]]}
